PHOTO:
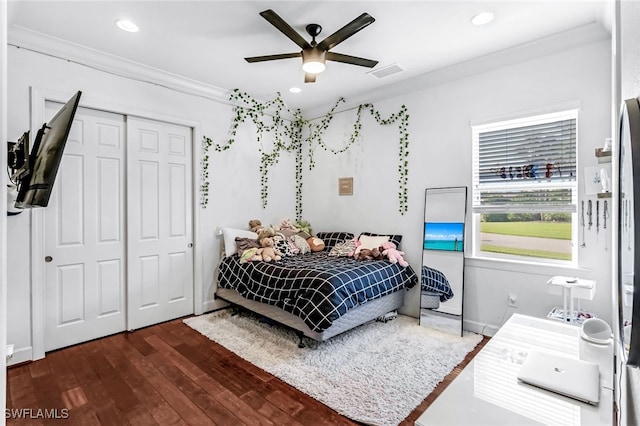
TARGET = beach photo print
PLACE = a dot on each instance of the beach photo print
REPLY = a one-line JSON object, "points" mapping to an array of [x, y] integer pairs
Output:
{"points": [[445, 236]]}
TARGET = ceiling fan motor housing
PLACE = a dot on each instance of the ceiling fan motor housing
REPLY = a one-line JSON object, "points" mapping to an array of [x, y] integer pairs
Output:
{"points": [[313, 30]]}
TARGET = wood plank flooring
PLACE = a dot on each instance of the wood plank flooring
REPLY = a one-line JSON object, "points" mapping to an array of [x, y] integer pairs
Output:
{"points": [[166, 374]]}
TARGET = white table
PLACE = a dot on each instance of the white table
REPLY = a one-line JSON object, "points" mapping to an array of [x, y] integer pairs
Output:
{"points": [[487, 391]]}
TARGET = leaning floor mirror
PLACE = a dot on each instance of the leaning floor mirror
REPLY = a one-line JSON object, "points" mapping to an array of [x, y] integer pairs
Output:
{"points": [[442, 275]]}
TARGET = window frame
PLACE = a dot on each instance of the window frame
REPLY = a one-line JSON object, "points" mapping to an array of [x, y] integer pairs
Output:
{"points": [[515, 121]]}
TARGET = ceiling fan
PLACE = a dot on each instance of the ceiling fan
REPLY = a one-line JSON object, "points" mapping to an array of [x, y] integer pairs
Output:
{"points": [[314, 54]]}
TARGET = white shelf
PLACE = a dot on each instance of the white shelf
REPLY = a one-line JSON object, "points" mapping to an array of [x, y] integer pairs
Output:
{"points": [[571, 288], [578, 316], [582, 289]]}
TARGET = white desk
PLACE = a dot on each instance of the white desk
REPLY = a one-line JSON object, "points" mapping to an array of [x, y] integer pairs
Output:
{"points": [[487, 391]]}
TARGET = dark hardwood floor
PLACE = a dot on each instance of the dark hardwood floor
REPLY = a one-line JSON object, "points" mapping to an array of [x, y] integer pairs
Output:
{"points": [[165, 374]]}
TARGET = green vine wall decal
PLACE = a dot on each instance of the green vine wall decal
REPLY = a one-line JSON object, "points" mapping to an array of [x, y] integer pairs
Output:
{"points": [[403, 138], [287, 134], [204, 174]]}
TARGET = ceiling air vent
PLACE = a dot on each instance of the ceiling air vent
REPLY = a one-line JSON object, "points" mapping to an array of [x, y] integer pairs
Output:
{"points": [[386, 71]]}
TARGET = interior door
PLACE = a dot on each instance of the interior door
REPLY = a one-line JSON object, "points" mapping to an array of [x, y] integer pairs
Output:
{"points": [[160, 254], [84, 233]]}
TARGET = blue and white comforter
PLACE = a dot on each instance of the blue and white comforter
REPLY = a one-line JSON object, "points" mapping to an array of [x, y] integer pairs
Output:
{"points": [[435, 281], [314, 286]]}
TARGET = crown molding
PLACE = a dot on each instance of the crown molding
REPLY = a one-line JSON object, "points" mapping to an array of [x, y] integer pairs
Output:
{"points": [[51, 46], [576, 37]]}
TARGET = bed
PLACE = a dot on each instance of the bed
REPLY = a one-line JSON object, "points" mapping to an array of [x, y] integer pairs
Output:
{"points": [[316, 294], [435, 288]]}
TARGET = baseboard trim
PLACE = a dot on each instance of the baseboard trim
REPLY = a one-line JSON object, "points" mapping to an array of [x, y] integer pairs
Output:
{"points": [[21, 355], [212, 305], [480, 328]]}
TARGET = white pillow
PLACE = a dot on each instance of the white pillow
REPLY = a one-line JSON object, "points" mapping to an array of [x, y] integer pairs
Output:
{"points": [[370, 242], [230, 234]]}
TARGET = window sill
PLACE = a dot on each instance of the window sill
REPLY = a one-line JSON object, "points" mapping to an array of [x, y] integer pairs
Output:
{"points": [[535, 268]]}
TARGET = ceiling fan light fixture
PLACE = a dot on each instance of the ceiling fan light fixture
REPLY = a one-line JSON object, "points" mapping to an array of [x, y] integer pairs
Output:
{"points": [[313, 60], [313, 67]]}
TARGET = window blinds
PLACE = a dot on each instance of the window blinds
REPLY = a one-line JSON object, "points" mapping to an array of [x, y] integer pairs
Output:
{"points": [[526, 165]]}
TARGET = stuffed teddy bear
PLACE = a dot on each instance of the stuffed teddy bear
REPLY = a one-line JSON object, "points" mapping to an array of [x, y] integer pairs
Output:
{"points": [[394, 255], [266, 233], [268, 251], [255, 225]]}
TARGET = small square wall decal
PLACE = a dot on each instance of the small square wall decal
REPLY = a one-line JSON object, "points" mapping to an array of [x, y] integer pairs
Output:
{"points": [[345, 186]]}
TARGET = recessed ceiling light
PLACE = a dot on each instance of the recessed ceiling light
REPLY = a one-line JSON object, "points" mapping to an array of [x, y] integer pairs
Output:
{"points": [[295, 90], [126, 25], [482, 18]]}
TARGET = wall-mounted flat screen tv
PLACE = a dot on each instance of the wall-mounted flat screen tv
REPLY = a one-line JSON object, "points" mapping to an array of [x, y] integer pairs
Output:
{"points": [[34, 190]]}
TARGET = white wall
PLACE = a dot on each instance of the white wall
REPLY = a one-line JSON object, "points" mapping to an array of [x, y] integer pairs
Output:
{"points": [[234, 174], [440, 147]]}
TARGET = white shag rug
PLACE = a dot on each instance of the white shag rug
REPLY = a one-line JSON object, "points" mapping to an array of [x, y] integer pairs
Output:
{"points": [[375, 374]]}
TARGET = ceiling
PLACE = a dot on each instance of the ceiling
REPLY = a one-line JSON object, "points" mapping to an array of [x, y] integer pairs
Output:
{"points": [[206, 41]]}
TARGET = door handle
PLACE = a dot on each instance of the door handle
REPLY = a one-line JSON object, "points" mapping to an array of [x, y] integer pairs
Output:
{"points": [[190, 245], [48, 259]]}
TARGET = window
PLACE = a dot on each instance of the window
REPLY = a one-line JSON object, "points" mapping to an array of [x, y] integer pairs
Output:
{"points": [[525, 188]]}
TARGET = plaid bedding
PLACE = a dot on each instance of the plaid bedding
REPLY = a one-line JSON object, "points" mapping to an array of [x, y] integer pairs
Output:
{"points": [[434, 280], [315, 287]]}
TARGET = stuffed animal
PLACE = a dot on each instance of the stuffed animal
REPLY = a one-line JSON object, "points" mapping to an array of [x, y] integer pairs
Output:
{"points": [[356, 244], [376, 253], [315, 244], [251, 255], [255, 225], [286, 225], [370, 254], [268, 251], [394, 255], [268, 232], [304, 226], [364, 254]]}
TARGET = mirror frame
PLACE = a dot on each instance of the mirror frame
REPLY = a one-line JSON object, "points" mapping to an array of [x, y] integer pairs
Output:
{"points": [[458, 211], [629, 219]]}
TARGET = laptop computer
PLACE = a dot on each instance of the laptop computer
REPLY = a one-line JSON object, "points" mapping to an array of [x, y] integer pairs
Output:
{"points": [[566, 376]]}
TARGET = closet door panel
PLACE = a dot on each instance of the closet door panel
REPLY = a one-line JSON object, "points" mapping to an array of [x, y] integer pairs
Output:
{"points": [[160, 254], [84, 286]]}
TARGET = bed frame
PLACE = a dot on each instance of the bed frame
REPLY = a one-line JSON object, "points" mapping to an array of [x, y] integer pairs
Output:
{"points": [[355, 317]]}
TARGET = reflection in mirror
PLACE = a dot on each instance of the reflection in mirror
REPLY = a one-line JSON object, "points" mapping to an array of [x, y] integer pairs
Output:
{"points": [[628, 262], [442, 282]]}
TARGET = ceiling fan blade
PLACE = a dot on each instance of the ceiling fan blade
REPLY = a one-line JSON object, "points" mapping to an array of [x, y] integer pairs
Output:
{"points": [[347, 59], [285, 28], [273, 57], [309, 78], [347, 31]]}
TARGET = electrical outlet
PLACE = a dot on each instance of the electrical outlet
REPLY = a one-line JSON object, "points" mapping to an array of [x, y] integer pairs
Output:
{"points": [[513, 300]]}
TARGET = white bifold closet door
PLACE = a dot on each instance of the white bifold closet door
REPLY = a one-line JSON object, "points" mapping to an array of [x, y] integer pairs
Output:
{"points": [[85, 264], [159, 237], [118, 228]]}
